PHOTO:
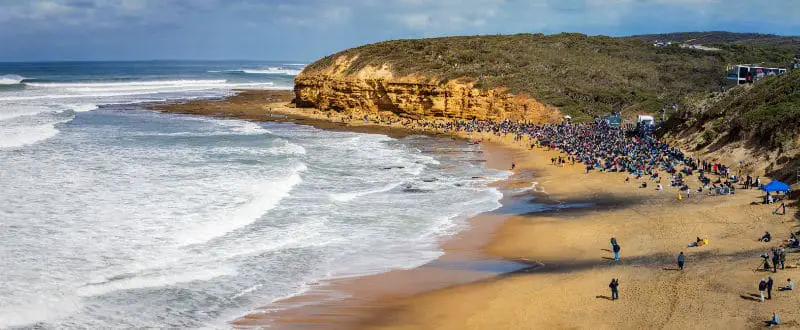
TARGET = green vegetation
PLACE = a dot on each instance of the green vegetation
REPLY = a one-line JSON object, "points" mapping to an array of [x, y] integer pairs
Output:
{"points": [[583, 76], [723, 38], [766, 112]]}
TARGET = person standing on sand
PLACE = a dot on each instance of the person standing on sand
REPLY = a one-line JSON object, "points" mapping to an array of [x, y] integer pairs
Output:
{"points": [[616, 250], [770, 282], [762, 286], [613, 241], [681, 260], [775, 259], [782, 254], [782, 206], [614, 291]]}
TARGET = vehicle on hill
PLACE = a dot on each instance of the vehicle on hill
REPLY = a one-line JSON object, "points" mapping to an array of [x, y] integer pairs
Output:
{"points": [[750, 73]]}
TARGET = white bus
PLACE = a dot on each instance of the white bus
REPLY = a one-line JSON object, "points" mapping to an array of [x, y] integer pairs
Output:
{"points": [[746, 73]]}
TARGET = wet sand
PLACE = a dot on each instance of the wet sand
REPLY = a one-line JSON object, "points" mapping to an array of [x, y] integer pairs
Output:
{"points": [[346, 303], [567, 243], [715, 290]]}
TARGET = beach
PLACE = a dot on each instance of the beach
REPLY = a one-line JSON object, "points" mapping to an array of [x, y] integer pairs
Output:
{"points": [[562, 245]]}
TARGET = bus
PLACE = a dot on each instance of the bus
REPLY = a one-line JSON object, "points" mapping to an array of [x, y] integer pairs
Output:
{"points": [[747, 74]]}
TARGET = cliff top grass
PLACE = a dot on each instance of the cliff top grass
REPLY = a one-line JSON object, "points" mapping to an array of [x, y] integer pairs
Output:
{"points": [[765, 113], [584, 76]]}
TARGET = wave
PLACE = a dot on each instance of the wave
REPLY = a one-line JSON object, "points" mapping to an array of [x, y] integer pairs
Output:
{"points": [[11, 79], [26, 314], [82, 107], [153, 281], [134, 90], [270, 70], [283, 147], [346, 197], [266, 196], [242, 127], [134, 87], [19, 136], [153, 83]]}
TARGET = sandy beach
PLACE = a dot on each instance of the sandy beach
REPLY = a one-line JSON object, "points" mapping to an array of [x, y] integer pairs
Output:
{"points": [[568, 236], [717, 289]]}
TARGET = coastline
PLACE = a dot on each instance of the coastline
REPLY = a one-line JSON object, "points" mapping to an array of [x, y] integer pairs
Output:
{"points": [[570, 290], [345, 303]]}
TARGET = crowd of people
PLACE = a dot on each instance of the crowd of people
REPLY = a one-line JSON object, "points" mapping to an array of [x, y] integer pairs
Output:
{"points": [[599, 146]]}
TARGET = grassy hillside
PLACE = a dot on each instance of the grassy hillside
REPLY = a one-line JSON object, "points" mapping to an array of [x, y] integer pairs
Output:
{"points": [[766, 113], [583, 76], [722, 38], [755, 126]]}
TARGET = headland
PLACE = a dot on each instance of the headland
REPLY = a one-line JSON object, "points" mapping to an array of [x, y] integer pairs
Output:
{"points": [[592, 182]]}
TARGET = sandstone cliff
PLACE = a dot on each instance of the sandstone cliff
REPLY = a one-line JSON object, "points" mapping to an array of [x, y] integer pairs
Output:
{"points": [[377, 92]]}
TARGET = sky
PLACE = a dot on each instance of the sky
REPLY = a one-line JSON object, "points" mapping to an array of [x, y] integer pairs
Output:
{"points": [[304, 30]]}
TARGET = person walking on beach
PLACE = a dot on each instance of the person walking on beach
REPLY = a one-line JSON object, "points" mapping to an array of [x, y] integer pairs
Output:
{"points": [[762, 286], [681, 260], [770, 283], [616, 249], [613, 242], [614, 291]]}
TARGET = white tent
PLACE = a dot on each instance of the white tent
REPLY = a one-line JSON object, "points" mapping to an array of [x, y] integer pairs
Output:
{"points": [[649, 120]]}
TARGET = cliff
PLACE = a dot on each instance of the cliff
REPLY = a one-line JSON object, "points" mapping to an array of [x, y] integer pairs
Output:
{"points": [[375, 93]]}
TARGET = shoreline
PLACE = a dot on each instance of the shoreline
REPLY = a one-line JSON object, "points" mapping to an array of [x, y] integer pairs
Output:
{"points": [[347, 302], [572, 245], [463, 260]]}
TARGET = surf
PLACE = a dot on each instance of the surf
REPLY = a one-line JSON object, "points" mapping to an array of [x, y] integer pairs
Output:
{"points": [[11, 79]]}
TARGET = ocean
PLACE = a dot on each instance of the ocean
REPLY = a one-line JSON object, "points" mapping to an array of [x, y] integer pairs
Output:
{"points": [[114, 216]]}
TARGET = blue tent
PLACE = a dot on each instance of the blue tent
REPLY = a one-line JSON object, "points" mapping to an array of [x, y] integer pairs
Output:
{"points": [[776, 185]]}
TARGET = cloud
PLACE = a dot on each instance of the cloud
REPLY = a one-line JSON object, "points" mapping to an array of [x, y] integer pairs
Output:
{"points": [[173, 28], [445, 15]]}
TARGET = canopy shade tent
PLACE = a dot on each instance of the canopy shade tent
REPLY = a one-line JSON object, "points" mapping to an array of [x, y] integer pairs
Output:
{"points": [[776, 185]]}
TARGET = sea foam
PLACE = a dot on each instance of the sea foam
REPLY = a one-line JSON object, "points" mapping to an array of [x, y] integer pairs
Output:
{"points": [[264, 196], [11, 79]]}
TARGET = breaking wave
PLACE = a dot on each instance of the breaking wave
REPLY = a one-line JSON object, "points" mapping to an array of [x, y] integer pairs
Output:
{"points": [[271, 71], [11, 79]]}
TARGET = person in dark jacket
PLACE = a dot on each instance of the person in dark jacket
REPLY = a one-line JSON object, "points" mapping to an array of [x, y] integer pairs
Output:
{"points": [[776, 258], [613, 241], [681, 260], [616, 249], [770, 282], [782, 254], [762, 286], [614, 291]]}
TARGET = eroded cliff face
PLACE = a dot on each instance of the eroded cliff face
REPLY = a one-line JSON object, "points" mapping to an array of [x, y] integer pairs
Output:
{"points": [[375, 91]]}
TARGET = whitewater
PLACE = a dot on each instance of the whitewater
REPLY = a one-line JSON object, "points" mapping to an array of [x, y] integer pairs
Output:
{"points": [[115, 216]]}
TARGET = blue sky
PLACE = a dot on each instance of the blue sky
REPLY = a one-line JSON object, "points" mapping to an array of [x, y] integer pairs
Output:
{"points": [[303, 30]]}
